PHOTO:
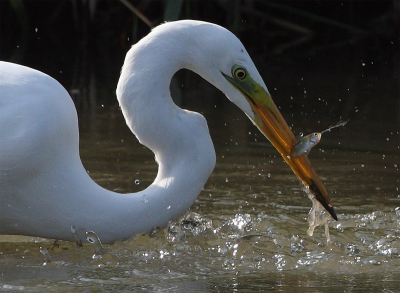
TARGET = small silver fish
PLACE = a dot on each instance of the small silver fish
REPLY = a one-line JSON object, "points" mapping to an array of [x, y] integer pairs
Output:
{"points": [[306, 143]]}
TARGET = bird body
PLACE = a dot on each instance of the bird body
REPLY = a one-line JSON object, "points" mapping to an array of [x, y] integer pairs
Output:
{"points": [[44, 188]]}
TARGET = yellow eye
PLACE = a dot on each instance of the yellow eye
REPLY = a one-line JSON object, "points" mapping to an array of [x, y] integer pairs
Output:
{"points": [[240, 73]]}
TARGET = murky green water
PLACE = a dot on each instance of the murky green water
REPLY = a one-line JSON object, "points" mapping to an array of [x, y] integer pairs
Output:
{"points": [[247, 230]]}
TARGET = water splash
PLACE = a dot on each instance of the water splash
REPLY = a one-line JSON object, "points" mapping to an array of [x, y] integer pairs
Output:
{"points": [[190, 224], [144, 198], [316, 217], [94, 239], [339, 124], [46, 254], [264, 243], [78, 239], [101, 257], [235, 227]]}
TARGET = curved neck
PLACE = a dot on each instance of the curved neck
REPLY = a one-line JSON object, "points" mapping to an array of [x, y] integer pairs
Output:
{"points": [[180, 139]]}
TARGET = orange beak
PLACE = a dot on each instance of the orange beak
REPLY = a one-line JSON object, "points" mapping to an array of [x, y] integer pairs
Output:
{"points": [[270, 122]]}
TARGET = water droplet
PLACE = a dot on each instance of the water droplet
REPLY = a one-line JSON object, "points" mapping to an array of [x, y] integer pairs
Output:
{"points": [[226, 180], [94, 239], [78, 240], [397, 211], [137, 181], [144, 198], [45, 252]]}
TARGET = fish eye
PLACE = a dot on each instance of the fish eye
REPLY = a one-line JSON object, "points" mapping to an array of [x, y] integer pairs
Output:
{"points": [[239, 73]]}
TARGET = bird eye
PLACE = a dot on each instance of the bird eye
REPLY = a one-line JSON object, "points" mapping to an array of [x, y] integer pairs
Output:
{"points": [[239, 73]]}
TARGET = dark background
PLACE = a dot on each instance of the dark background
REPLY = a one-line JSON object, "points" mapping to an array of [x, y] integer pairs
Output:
{"points": [[357, 42]]}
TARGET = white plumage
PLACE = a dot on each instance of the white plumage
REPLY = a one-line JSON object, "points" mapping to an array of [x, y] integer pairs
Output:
{"points": [[44, 189]]}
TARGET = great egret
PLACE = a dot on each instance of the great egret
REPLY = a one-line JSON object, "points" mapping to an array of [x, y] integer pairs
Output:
{"points": [[45, 190]]}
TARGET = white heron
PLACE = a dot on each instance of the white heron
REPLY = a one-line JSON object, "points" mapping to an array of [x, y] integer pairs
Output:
{"points": [[44, 188]]}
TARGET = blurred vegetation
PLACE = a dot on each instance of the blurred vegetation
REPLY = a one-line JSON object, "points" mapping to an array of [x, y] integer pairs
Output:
{"points": [[282, 25], [70, 40]]}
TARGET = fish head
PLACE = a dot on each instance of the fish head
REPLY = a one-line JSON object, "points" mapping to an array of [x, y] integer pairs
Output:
{"points": [[315, 138]]}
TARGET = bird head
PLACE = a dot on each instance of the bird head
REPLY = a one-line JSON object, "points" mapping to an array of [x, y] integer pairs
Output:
{"points": [[233, 71], [219, 57]]}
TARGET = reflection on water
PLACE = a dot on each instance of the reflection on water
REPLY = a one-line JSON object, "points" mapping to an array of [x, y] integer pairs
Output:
{"points": [[248, 229]]}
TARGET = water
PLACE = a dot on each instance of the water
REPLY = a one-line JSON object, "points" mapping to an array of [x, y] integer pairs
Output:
{"points": [[248, 229]]}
